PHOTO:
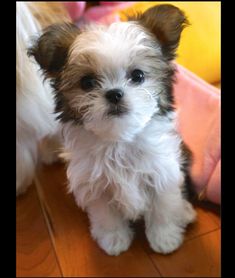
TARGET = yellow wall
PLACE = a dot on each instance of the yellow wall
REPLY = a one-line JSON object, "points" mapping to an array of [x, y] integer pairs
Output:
{"points": [[200, 47]]}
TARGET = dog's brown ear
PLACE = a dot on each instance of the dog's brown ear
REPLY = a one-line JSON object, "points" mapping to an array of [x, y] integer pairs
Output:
{"points": [[166, 22], [50, 50]]}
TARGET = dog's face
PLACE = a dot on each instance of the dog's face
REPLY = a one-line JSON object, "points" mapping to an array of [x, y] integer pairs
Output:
{"points": [[113, 79]]}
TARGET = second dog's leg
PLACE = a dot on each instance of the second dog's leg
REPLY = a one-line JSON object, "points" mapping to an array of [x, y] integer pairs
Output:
{"points": [[166, 221], [109, 228], [26, 161]]}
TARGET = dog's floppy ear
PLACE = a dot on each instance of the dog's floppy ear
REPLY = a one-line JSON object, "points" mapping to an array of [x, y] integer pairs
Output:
{"points": [[50, 50], [166, 22]]}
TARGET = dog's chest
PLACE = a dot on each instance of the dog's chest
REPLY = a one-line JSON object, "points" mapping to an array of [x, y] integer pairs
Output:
{"points": [[127, 171]]}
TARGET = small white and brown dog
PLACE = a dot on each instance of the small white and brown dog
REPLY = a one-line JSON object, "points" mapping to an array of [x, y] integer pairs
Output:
{"points": [[113, 93]]}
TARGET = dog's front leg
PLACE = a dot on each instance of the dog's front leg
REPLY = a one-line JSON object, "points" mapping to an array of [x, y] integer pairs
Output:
{"points": [[108, 227], [166, 221]]}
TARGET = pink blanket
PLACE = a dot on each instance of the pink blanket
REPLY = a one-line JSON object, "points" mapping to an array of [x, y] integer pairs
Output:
{"points": [[197, 103]]}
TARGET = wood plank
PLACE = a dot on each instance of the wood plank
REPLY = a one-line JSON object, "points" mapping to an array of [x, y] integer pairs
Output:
{"points": [[208, 219], [77, 253], [199, 257], [35, 256]]}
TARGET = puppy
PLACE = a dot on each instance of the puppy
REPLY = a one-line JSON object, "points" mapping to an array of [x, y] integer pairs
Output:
{"points": [[113, 91], [35, 105]]}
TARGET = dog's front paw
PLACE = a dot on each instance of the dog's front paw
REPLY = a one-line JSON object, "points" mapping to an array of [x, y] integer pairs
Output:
{"points": [[165, 239], [114, 242]]}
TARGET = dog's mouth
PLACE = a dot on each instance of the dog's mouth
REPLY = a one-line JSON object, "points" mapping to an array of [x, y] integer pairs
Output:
{"points": [[117, 110]]}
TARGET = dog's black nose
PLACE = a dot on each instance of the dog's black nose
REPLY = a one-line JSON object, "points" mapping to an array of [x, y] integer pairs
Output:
{"points": [[114, 95]]}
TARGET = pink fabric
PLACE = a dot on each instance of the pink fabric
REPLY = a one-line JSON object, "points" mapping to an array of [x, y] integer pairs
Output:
{"points": [[106, 13], [214, 185], [114, 3], [198, 105], [101, 14], [75, 9]]}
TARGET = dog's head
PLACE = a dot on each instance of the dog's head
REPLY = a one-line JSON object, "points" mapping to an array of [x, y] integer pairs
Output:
{"points": [[113, 79]]}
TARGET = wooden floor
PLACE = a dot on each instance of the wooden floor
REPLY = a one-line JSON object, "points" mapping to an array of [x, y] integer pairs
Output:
{"points": [[53, 240]]}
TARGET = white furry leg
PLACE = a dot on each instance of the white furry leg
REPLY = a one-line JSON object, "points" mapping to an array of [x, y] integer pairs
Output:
{"points": [[26, 157], [166, 221], [108, 228]]}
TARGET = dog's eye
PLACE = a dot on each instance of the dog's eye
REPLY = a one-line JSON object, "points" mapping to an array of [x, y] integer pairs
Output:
{"points": [[137, 76], [88, 82]]}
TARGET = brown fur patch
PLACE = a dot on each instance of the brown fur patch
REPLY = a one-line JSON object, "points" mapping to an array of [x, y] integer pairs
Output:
{"points": [[51, 49], [166, 22]]}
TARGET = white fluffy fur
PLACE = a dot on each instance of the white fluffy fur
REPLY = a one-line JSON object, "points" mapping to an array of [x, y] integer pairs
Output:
{"points": [[35, 118], [141, 177]]}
